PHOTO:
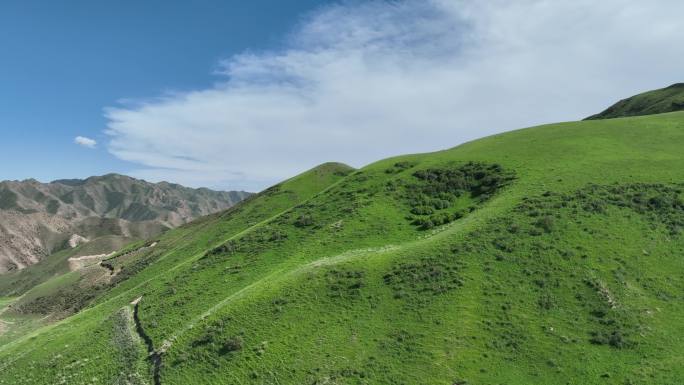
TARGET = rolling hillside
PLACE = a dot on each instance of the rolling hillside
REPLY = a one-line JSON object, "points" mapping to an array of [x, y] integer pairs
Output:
{"points": [[39, 219], [548, 255]]}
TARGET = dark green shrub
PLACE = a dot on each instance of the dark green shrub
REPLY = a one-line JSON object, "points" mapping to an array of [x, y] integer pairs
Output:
{"points": [[277, 235], [440, 204], [399, 167], [547, 223], [229, 247], [430, 275], [613, 339], [441, 219], [422, 210], [233, 344], [345, 283], [304, 221], [546, 302], [426, 224], [514, 228]]}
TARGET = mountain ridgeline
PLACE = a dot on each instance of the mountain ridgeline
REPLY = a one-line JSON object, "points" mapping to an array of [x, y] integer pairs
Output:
{"points": [[38, 219], [549, 255]]}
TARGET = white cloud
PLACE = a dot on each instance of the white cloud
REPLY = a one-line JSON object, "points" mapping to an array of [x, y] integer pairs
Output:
{"points": [[85, 142], [356, 83]]}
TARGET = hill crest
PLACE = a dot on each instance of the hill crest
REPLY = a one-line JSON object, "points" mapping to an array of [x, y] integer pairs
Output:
{"points": [[668, 99]]}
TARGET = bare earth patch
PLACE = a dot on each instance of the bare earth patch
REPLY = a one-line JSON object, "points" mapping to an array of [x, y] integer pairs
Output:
{"points": [[79, 263]]}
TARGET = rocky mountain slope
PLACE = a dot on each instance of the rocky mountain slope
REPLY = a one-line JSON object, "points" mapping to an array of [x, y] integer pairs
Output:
{"points": [[38, 219]]}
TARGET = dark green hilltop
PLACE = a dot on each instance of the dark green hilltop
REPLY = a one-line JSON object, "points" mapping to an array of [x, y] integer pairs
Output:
{"points": [[668, 99], [547, 255]]}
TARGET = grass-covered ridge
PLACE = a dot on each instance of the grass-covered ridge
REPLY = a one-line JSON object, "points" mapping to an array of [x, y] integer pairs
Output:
{"points": [[553, 256], [669, 99]]}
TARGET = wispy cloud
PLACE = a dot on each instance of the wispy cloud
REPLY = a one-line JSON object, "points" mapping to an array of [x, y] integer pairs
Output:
{"points": [[355, 83], [85, 142]]}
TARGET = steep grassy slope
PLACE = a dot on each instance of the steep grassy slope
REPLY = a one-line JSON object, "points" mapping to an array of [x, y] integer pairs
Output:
{"points": [[70, 291], [549, 255], [668, 99]]}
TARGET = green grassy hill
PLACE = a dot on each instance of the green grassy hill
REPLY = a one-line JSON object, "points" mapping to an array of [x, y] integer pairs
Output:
{"points": [[549, 255], [668, 99]]}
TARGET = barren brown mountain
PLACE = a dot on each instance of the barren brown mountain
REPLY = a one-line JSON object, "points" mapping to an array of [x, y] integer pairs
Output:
{"points": [[38, 219]]}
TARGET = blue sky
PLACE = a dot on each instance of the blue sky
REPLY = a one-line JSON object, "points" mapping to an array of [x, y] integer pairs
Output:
{"points": [[62, 62], [242, 94]]}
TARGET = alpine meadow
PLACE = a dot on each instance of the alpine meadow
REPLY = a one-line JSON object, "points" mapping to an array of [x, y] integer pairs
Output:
{"points": [[342, 192], [547, 255]]}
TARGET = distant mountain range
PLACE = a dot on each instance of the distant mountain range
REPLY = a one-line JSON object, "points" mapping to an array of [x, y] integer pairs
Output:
{"points": [[38, 219]]}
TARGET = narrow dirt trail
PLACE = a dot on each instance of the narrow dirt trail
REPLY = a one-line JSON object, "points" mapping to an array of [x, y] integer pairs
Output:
{"points": [[154, 356], [79, 263]]}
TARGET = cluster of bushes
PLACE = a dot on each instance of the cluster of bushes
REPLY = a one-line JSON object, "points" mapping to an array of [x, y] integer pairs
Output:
{"points": [[229, 247], [63, 302], [422, 210], [660, 203], [304, 220], [214, 336], [546, 301], [401, 342], [507, 334], [438, 219], [399, 167], [473, 177], [427, 276], [547, 223], [279, 304], [613, 339], [540, 265], [434, 199], [344, 283], [277, 236], [427, 206], [232, 344], [256, 240], [612, 319]]}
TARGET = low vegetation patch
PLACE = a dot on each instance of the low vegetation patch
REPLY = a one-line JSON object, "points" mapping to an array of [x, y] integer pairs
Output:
{"points": [[424, 278], [345, 283], [442, 195]]}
